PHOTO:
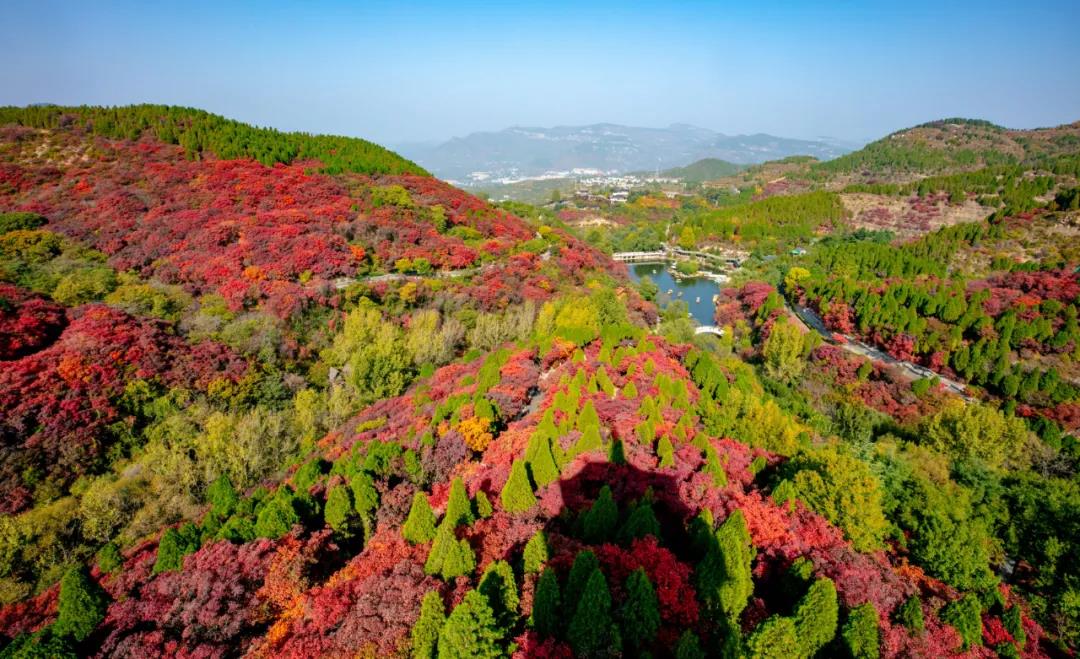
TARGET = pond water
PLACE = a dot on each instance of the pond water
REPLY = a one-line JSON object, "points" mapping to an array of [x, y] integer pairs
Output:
{"points": [[697, 292]]}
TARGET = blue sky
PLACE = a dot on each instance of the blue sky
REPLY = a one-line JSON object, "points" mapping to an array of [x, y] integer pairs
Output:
{"points": [[407, 71]]}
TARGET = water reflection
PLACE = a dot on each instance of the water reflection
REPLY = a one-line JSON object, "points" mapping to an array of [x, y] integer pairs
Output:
{"points": [[697, 292]]}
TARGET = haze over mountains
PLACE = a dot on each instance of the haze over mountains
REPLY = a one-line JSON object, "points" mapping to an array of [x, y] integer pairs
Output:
{"points": [[525, 152]]}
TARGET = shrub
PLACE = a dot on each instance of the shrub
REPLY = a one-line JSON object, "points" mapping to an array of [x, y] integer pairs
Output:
{"points": [[536, 552], [860, 632], [517, 494], [419, 526], [425, 633], [471, 631], [816, 617], [82, 605], [965, 614]]}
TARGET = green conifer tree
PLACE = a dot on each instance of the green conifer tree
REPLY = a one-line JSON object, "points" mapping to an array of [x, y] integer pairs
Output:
{"points": [[604, 381], [666, 452], [589, 441], [860, 632], [536, 552], [639, 614], [775, 638], [471, 631], [616, 453], [965, 615], [419, 526], [277, 516], [547, 613], [458, 506], [629, 391], [222, 496], [689, 647], [483, 506], [338, 512], [641, 522], [499, 586], [816, 617], [82, 605], [517, 494], [588, 418], [911, 615], [109, 558], [601, 518], [440, 547], [460, 560], [540, 460], [425, 633], [584, 564], [592, 631], [713, 466]]}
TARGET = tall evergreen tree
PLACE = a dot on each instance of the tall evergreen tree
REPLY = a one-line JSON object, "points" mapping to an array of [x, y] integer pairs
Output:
{"points": [[425, 633], [860, 632], [536, 552], [547, 610], [775, 638], [584, 564], [419, 526], [639, 614], [816, 617], [338, 512], [601, 518], [458, 507], [498, 585], [541, 461], [517, 494], [592, 631], [222, 496], [82, 605], [471, 631]]}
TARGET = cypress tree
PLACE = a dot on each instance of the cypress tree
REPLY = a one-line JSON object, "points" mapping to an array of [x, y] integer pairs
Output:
{"points": [[458, 506], [589, 441], [109, 558], [911, 615], [460, 560], [547, 614], [584, 564], [540, 460], [713, 466], [338, 512], [425, 633], [1014, 624], [816, 617], [497, 584], [222, 496], [860, 632], [365, 500], [601, 518], [82, 605], [689, 647], [277, 516], [536, 552], [588, 417], [483, 506], [723, 576], [419, 526], [666, 452], [470, 631], [641, 522], [629, 391], [604, 381], [616, 454], [517, 494], [173, 546], [775, 638], [640, 612], [440, 548], [965, 614], [592, 630]]}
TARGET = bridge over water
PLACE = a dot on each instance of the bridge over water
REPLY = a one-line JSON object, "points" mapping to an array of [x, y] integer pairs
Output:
{"points": [[709, 329], [730, 258]]}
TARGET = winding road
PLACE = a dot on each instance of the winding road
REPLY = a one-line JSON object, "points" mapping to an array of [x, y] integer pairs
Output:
{"points": [[913, 371]]}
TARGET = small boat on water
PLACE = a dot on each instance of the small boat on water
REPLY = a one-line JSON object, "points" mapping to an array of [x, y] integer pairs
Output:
{"points": [[697, 299]]}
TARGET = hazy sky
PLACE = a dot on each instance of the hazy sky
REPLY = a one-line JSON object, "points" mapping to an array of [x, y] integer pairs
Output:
{"points": [[404, 71]]}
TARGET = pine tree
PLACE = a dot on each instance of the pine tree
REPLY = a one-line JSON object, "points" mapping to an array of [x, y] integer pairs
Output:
{"points": [[629, 391], [911, 615], [816, 617], [689, 647], [1014, 624], [965, 615], [497, 584], [483, 506], [641, 522], [222, 496], [419, 526], [470, 631], [277, 516], [338, 512], [458, 507], [604, 381], [536, 552], [425, 633], [588, 418], [860, 632], [601, 518], [540, 460], [724, 573], [592, 630], [547, 613], [460, 560], [173, 546], [443, 542], [589, 441], [82, 605], [640, 612], [775, 638], [517, 494], [616, 454], [666, 452], [365, 500], [584, 564]]}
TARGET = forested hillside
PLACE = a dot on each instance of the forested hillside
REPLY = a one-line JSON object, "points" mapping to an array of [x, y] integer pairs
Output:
{"points": [[278, 395]]}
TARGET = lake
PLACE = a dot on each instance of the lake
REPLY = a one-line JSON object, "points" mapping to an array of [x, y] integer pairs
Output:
{"points": [[697, 292]]}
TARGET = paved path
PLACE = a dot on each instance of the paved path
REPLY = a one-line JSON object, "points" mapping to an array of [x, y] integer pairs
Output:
{"points": [[851, 344]]}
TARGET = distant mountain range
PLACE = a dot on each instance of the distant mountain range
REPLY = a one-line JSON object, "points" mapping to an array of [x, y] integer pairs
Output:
{"points": [[519, 152]]}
